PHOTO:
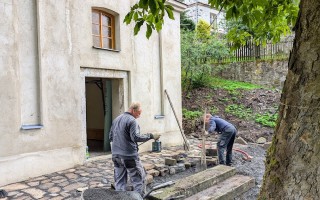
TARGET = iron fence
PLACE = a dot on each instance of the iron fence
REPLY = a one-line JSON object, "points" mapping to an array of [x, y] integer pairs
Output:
{"points": [[251, 51]]}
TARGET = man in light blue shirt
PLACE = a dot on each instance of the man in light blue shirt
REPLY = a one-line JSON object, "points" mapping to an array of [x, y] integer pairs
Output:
{"points": [[227, 136]]}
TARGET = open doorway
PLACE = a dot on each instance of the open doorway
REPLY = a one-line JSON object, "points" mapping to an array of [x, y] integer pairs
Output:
{"points": [[98, 114]]}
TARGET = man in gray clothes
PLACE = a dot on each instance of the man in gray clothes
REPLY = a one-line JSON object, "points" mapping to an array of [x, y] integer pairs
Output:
{"points": [[227, 136], [124, 135]]}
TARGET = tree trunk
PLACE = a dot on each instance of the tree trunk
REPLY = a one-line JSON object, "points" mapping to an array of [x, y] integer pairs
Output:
{"points": [[293, 160]]}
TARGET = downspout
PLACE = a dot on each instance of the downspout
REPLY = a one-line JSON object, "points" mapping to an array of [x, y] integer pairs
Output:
{"points": [[161, 75]]}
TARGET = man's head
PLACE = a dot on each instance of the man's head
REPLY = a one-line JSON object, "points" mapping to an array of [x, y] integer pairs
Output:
{"points": [[135, 109], [208, 116]]}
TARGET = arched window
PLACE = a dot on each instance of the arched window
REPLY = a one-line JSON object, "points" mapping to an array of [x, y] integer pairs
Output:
{"points": [[103, 30]]}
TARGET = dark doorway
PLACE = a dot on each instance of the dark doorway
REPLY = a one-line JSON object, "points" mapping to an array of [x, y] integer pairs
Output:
{"points": [[98, 115]]}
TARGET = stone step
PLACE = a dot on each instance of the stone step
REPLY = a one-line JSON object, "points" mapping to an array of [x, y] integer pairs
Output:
{"points": [[195, 183], [228, 189]]}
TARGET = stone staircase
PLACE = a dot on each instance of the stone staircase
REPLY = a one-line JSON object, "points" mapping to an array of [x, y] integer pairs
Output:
{"points": [[220, 182]]}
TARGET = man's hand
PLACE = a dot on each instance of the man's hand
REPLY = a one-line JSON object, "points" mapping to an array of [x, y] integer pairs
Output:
{"points": [[155, 136]]}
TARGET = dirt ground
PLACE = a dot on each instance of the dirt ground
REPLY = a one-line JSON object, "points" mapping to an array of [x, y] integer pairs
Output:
{"points": [[258, 100]]}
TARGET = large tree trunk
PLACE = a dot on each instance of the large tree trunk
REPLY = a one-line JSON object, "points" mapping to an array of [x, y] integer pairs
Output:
{"points": [[293, 160]]}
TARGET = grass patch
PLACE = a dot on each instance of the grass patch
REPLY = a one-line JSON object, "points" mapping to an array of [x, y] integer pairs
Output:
{"points": [[214, 110], [267, 119], [190, 115], [232, 86], [239, 111]]}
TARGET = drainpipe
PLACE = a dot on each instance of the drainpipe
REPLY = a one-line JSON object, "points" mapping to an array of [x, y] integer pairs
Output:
{"points": [[162, 95]]}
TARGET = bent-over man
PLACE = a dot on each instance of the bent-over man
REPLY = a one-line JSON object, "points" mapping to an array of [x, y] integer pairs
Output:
{"points": [[227, 136]]}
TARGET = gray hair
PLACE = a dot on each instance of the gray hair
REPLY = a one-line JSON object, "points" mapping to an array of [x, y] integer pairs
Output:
{"points": [[135, 106]]}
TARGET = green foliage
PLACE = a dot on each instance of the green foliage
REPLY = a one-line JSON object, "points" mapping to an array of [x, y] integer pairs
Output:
{"points": [[232, 85], [261, 20], [190, 115], [214, 110], [239, 111], [267, 119], [149, 12], [186, 23], [196, 56], [203, 30], [264, 20]]}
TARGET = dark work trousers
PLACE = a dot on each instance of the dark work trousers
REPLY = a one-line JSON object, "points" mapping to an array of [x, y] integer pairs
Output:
{"points": [[226, 141], [133, 168]]}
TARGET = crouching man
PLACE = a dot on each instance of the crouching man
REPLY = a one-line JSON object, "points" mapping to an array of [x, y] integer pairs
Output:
{"points": [[227, 136]]}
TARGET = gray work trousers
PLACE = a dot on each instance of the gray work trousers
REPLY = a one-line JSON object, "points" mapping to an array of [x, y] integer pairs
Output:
{"points": [[226, 141], [133, 168]]}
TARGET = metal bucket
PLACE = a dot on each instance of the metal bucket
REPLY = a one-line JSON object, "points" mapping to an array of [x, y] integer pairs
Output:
{"points": [[156, 146]]}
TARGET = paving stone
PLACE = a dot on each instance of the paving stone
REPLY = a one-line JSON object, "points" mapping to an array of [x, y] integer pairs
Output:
{"points": [[105, 181], [45, 181], [153, 172], [149, 179], [74, 186], [170, 161], [159, 166], [60, 180], [71, 170], [164, 171], [65, 194], [71, 176], [166, 155], [20, 194], [45, 198], [54, 190], [95, 175], [25, 198], [40, 178], [36, 193], [179, 167], [148, 166], [84, 174], [15, 186], [46, 186], [172, 170], [57, 198], [58, 177], [53, 195], [63, 184], [10, 194], [35, 183]]}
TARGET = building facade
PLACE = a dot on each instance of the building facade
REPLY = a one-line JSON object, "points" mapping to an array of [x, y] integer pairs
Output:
{"points": [[68, 68], [200, 9]]}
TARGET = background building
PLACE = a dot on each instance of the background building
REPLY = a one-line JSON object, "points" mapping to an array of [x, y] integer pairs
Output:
{"points": [[200, 9]]}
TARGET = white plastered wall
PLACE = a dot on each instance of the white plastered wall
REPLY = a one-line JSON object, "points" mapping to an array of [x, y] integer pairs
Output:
{"points": [[63, 55]]}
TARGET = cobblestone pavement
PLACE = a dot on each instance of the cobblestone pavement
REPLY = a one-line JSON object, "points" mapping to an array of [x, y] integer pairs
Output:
{"points": [[95, 173]]}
